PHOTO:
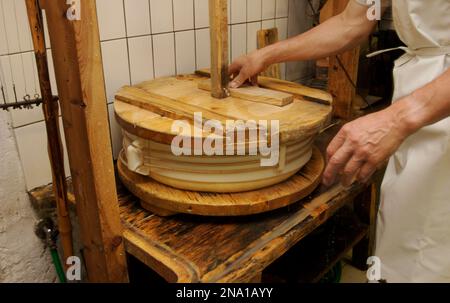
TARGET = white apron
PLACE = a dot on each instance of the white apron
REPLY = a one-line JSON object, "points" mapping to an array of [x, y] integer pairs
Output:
{"points": [[413, 228]]}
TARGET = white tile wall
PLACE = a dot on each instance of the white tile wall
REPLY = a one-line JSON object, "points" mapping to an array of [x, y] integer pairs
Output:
{"points": [[238, 40], [282, 26], [164, 54], [3, 45], [47, 38], [161, 16], [137, 17], [52, 75], [185, 51], [141, 59], [268, 9], [111, 19], [116, 132], [201, 13], [252, 30], [10, 23], [183, 14], [140, 40], [238, 11], [18, 74], [203, 48], [115, 65], [269, 23], [254, 10], [282, 8], [32, 144], [25, 82], [23, 26], [6, 74]]}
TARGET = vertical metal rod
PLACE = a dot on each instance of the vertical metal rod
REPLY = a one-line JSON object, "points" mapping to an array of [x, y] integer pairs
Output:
{"points": [[15, 93], [3, 95]]}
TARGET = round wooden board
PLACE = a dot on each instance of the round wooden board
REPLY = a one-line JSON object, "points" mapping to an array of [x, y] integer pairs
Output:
{"points": [[165, 200], [149, 109]]}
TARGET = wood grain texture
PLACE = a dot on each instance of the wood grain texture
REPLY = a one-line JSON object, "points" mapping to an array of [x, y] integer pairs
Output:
{"points": [[267, 37], [341, 67], [218, 20], [339, 85], [171, 199], [186, 248], [79, 76], [255, 94], [179, 98], [297, 90], [164, 105], [50, 109]]}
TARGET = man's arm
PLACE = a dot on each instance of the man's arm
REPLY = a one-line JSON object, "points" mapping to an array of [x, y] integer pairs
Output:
{"points": [[336, 35], [366, 143]]}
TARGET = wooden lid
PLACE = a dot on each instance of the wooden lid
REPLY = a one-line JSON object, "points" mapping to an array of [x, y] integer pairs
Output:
{"points": [[149, 109]]}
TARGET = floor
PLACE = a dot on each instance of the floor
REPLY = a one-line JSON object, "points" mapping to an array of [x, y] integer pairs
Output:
{"points": [[351, 274]]}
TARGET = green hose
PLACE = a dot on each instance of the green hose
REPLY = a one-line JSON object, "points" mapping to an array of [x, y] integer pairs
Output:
{"points": [[59, 269], [334, 275]]}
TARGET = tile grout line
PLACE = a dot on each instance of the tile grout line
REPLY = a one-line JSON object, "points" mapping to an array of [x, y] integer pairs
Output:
{"points": [[151, 36], [127, 41], [246, 27], [287, 37], [195, 34], [174, 39]]}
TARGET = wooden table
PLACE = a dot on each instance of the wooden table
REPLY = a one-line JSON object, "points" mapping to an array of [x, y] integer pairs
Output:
{"points": [[186, 248]]}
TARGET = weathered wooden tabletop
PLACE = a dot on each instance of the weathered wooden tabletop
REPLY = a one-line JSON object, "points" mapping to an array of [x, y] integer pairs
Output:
{"points": [[209, 249]]}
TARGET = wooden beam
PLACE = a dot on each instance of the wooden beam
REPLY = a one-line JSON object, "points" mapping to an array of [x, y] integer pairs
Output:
{"points": [[218, 19], [267, 37], [342, 75], [79, 76], [343, 68], [51, 116]]}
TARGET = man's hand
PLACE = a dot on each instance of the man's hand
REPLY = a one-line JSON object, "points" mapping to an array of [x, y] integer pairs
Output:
{"points": [[245, 68], [362, 146]]}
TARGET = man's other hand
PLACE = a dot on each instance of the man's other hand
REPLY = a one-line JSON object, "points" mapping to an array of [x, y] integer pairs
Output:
{"points": [[362, 146]]}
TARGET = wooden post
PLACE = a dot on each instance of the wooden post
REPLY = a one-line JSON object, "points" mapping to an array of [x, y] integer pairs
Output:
{"points": [[51, 116], [218, 19], [267, 37], [341, 68], [79, 76]]}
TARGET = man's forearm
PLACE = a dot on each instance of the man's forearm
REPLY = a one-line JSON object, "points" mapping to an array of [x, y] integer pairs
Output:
{"points": [[336, 35], [424, 106]]}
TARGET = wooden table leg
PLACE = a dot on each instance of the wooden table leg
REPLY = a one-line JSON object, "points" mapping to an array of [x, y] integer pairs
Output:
{"points": [[365, 207]]}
